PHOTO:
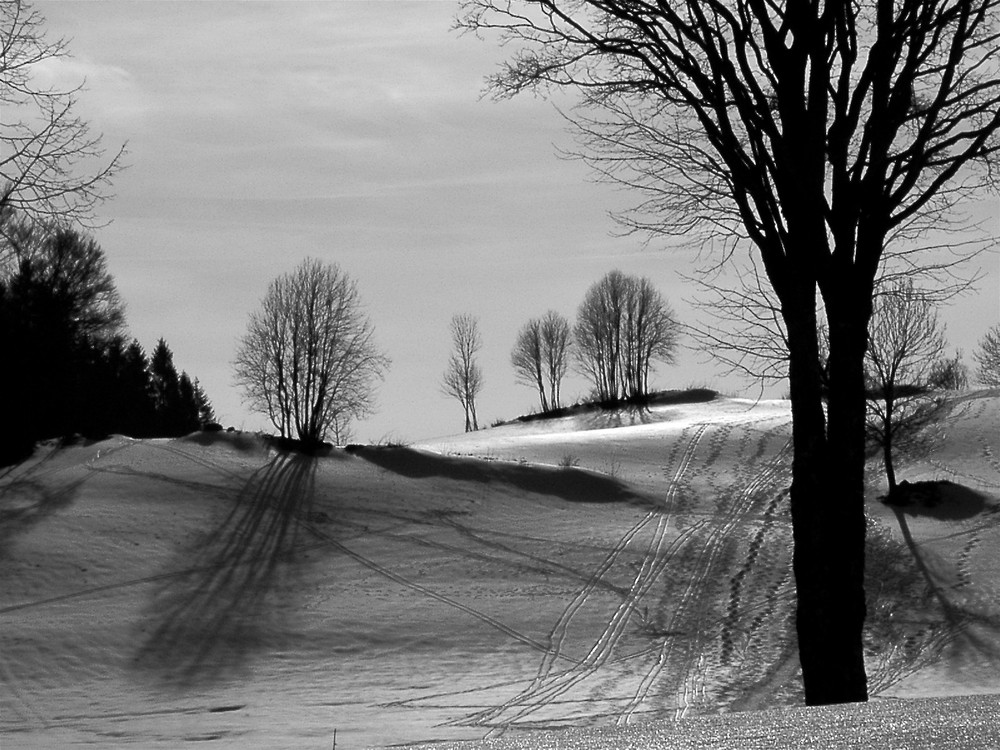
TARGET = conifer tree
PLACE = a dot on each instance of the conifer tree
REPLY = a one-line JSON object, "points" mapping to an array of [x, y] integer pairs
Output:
{"points": [[206, 414], [137, 392], [187, 406], [165, 387]]}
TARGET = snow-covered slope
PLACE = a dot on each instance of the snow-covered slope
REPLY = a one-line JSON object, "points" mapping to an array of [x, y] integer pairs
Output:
{"points": [[592, 571]]}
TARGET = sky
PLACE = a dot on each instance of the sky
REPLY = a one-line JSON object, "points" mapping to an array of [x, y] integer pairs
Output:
{"points": [[261, 133]]}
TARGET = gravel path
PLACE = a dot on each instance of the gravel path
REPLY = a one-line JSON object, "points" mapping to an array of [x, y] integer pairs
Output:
{"points": [[971, 722]]}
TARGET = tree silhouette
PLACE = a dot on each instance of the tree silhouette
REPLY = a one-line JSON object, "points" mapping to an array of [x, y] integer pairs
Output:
{"points": [[623, 326], [308, 359], [987, 356], [61, 313], [539, 356], [527, 359], [556, 345], [816, 134], [135, 392], [67, 369], [165, 389], [906, 345], [52, 166], [463, 378], [206, 414]]}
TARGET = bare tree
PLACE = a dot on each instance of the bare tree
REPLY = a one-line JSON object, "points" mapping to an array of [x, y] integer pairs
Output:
{"points": [[597, 333], [526, 359], [906, 344], [52, 166], [463, 379], [651, 335], [987, 357], [308, 359], [539, 356], [817, 134], [623, 326], [950, 373], [556, 338]]}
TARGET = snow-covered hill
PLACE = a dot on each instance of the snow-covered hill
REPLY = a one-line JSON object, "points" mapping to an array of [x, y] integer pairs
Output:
{"points": [[595, 570]]}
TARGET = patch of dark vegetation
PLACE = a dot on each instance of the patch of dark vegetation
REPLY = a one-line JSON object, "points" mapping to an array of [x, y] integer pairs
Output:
{"points": [[659, 398], [239, 440], [942, 499], [568, 483], [294, 445]]}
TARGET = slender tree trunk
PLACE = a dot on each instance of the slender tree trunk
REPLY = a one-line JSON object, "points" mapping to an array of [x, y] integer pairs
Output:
{"points": [[890, 471], [887, 430], [827, 501], [541, 398]]}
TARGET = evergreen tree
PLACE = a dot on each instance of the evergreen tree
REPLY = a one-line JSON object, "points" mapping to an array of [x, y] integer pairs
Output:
{"points": [[136, 393], [165, 387], [187, 406], [65, 367], [206, 414]]}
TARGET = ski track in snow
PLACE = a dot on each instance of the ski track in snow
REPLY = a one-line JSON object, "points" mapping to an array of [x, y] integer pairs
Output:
{"points": [[713, 631]]}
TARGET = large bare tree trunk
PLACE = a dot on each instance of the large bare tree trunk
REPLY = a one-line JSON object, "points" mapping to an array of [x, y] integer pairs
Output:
{"points": [[827, 502]]}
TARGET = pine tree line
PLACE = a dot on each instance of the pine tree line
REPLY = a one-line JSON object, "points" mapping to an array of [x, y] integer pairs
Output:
{"points": [[67, 367]]}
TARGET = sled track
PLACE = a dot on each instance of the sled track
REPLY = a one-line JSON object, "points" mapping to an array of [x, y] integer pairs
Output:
{"points": [[756, 552], [547, 688], [706, 544], [690, 660], [430, 593], [687, 661]]}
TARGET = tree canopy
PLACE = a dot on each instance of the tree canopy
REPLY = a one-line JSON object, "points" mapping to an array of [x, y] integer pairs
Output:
{"points": [[308, 359]]}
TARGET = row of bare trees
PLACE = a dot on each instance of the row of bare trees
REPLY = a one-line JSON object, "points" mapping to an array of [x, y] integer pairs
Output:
{"points": [[623, 328]]}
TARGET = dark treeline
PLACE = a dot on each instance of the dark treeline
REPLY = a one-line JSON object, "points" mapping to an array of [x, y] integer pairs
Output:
{"points": [[68, 366]]}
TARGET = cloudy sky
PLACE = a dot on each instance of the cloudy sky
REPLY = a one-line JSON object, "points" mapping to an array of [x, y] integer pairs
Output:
{"points": [[260, 133]]}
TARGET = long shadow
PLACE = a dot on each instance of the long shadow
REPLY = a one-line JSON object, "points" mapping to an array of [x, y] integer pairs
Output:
{"points": [[949, 501], [25, 499], [628, 415], [574, 485], [204, 625]]}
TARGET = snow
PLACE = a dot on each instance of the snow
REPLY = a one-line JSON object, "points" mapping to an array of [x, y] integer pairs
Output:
{"points": [[212, 589]]}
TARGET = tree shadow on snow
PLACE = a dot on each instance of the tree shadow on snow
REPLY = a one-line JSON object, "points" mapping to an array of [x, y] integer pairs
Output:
{"points": [[625, 416], [971, 616], [569, 483], [202, 625], [25, 499]]}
